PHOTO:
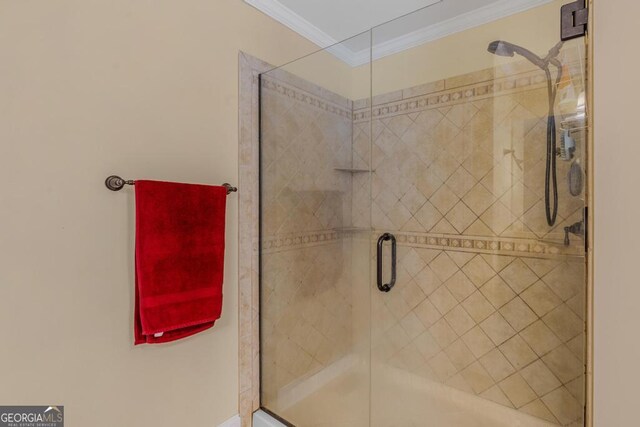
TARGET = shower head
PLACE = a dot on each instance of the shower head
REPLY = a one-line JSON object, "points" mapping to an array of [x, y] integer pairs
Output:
{"points": [[502, 48]]}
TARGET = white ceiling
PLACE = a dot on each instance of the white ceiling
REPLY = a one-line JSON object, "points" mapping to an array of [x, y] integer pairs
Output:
{"points": [[326, 22], [341, 19]]}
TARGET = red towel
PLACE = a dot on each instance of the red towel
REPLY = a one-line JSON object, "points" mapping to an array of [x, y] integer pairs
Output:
{"points": [[179, 259]]}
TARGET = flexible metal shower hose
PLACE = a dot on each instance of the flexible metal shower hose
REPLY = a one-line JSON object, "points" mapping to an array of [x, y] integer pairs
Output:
{"points": [[551, 178]]}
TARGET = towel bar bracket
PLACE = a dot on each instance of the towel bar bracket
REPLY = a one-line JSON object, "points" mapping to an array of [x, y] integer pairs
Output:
{"points": [[115, 183], [230, 188]]}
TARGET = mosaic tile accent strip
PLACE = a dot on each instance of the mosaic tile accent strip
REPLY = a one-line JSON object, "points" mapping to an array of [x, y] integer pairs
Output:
{"points": [[294, 241], [307, 98], [459, 93], [446, 98], [493, 245]]}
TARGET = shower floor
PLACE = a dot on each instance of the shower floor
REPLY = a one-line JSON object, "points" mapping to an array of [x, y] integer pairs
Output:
{"points": [[403, 401]]}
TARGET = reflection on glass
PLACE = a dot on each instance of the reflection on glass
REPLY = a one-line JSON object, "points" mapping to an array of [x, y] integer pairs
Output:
{"points": [[450, 146]]}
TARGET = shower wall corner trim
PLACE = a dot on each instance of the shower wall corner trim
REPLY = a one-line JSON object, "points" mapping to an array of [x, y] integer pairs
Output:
{"points": [[248, 236], [306, 29]]}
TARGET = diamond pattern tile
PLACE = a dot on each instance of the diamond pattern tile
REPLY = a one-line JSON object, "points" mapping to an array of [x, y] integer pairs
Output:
{"points": [[460, 182], [427, 345], [459, 320], [478, 342], [477, 377], [460, 216], [540, 298], [478, 270], [460, 355], [563, 406], [540, 378], [443, 266], [460, 286], [497, 365], [518, 352], [427, 313], [427, 280], [518, 276], [538, 409], [479, 199], [442, 366], [444, 199], [497, 292], [497, 328], [540, 338], [564, 323], [478, 307], [518, 314], [496, 395], [509, 329], [517, 390], [443, 333], [443, 300], [563, 364]]}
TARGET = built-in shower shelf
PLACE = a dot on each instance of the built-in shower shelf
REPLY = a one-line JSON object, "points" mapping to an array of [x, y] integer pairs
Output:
{"points": [[352, 170]]}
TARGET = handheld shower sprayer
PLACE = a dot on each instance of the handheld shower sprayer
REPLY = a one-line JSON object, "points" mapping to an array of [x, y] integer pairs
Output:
{"points": [[503, 48]]}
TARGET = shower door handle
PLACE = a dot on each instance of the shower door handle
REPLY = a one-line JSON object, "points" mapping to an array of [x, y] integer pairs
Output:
{"points": [[381, 286]]}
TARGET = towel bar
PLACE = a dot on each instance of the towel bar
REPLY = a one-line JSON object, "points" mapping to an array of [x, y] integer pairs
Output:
{"points": [[115, 183]]}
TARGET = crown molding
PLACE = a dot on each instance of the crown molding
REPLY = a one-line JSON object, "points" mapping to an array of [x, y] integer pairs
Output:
{"points": [[475, 18], [494, 11], [306, 29]]}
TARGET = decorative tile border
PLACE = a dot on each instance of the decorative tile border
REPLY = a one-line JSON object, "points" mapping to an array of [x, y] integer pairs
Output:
{"points": [[294, 241], [446, 98], [495, 245], [482, 89], [480, 244], [300, 95]]}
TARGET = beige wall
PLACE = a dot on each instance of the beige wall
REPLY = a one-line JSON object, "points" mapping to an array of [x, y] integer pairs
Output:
{"points": [[617, 209], [148, 89], [145, 89]]}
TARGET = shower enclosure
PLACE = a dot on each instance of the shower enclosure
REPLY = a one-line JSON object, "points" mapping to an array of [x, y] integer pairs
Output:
{"points": [[410, 273]]}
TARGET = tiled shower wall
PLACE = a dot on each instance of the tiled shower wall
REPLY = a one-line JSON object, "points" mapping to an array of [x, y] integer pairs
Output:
{"points": [[488, 300], [509, 329], [306, 318], [465, 158]]}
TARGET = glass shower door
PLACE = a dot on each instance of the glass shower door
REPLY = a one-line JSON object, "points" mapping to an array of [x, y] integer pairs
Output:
{"points": [[478, 163], [315, 233], [422, 215]]}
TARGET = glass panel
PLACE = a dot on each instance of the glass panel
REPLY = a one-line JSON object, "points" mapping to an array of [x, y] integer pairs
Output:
{"points": [[315, 228], [485, 325]]}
